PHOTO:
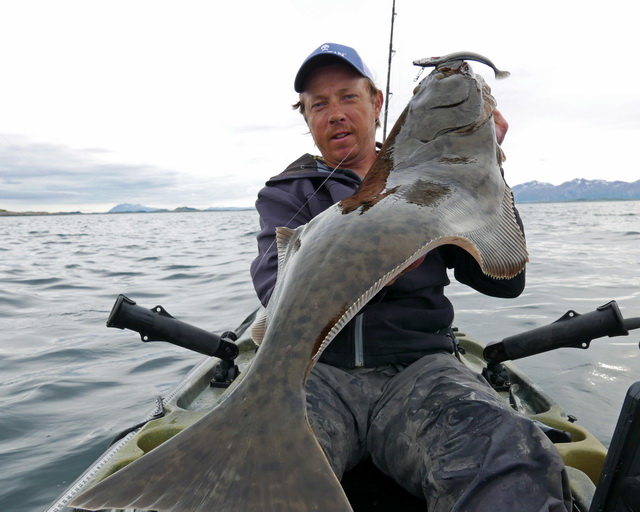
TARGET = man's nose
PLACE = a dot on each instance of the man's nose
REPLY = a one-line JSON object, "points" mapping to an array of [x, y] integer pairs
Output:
{"points": [[336, 115]]}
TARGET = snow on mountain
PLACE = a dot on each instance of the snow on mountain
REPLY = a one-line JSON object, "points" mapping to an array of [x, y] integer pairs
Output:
{"points": [[576, 190]]}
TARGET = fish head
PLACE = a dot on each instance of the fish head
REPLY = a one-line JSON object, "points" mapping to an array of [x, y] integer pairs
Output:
{"points": [[451, 99]]}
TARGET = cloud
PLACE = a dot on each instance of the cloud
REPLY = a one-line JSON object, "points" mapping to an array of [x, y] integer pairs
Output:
{"points": [[38, 173], [178, 105]]}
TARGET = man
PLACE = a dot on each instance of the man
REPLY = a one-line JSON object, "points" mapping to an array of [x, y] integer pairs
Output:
{"points": [[389, 386]]}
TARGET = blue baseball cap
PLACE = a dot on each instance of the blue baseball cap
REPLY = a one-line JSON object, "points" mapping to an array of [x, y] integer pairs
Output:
{"points": [[330, 53]]}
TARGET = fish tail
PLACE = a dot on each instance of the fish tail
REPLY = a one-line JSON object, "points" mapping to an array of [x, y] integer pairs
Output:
{"points": [[268, 461]]}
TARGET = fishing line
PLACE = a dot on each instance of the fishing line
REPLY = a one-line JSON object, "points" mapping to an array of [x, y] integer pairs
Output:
{"points": [[331, 173], [372, 128], [387, 103]]}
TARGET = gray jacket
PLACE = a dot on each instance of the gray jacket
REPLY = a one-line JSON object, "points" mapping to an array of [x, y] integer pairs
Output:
{"points": [[406, 320]]}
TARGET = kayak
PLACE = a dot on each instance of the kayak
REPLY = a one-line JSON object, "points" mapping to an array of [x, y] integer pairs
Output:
{"points": [[366, 487]]}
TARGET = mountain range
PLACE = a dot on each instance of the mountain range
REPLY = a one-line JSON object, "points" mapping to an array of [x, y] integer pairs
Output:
{"points": [[139, 208], [576, 190], [530, 192]]}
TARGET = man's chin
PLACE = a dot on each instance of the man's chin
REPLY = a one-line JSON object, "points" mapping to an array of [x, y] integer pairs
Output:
{"points": [[342, 153]]}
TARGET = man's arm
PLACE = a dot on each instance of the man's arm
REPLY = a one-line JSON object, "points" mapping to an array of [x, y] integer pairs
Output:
{"points": [[467, 271], [276, 208]]}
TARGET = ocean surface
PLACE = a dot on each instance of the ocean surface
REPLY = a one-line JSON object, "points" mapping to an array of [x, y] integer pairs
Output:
{"points": [[68, 384]]}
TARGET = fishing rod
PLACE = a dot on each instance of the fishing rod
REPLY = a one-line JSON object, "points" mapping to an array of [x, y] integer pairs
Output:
{"points": [[391, 52]]}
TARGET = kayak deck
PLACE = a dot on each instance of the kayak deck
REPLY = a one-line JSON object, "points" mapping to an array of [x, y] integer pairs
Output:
{"points": [[368, 489]]}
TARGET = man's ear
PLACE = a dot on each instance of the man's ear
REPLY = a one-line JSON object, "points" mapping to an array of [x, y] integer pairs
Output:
{"points": [[379, 101]]}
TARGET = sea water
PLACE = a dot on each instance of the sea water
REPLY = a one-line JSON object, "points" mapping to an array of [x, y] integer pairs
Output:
{"points": [[68, 384]]}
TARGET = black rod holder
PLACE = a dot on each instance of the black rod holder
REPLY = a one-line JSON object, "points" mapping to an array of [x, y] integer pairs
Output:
{"points": [[571, 330], [156, 324]]}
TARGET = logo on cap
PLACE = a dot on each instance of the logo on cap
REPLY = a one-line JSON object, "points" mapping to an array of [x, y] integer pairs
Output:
{"points": [[325, 48], [348, 55]]}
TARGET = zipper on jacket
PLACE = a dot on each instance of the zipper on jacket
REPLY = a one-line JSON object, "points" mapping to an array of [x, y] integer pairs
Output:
{"points": [[359, 340]]}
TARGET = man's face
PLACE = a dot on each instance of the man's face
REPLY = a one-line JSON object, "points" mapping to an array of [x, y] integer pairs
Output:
{"points": [[341, 115]]}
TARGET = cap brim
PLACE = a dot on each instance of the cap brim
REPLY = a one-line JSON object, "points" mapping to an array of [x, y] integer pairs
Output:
{"points": [[315, 62]]}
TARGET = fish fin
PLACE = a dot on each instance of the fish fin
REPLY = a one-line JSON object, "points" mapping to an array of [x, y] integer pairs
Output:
{"points": [[500, 156], [258, 328], [268, 460], [499, 246], [284, 236]]}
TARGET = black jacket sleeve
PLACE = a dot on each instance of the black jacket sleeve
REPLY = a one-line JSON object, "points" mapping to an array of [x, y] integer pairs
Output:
{"points": [[276, 208], [467, 271]]}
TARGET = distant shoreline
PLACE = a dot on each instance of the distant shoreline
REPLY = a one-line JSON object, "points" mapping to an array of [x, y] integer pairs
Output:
{"points": [[7, 213], [555, 201]]}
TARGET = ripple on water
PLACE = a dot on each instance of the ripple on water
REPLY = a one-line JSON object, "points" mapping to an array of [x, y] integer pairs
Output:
{"points": [[70, 384]]}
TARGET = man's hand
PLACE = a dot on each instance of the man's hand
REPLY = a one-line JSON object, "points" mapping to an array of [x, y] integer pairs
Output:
{"points": [[501, 125]]}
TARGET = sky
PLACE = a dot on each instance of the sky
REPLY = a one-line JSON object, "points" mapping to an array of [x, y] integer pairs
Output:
{"points": [[188, 103]]}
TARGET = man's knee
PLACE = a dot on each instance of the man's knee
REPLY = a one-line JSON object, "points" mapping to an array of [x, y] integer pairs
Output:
{"points": [[333, 423]]}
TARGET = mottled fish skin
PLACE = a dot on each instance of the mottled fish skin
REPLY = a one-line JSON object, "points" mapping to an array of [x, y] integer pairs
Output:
{"points": [[438, 61], [437, 181]]}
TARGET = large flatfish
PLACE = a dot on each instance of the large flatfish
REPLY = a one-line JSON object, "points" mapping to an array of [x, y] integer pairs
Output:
{"points": [[437, 181]]}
